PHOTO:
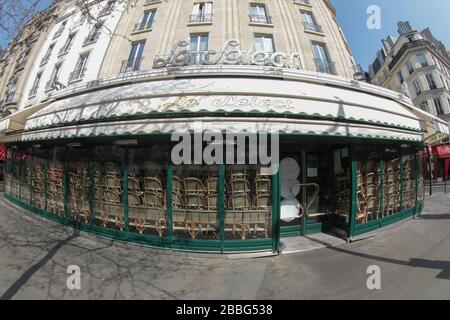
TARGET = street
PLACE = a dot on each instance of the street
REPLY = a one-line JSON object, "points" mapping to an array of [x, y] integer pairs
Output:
{"points": [[35, 254]]}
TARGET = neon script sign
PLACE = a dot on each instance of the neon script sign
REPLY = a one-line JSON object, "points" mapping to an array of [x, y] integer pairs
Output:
{"points": [[230, 54]]}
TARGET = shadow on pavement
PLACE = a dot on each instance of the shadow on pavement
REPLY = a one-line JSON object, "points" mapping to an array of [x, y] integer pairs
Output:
{"points": [[413, 262]]}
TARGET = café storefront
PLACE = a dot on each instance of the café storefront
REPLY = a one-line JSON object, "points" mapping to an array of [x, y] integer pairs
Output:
{"points": [[349, 158]]}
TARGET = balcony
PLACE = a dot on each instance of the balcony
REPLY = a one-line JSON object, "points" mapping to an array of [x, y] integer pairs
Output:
{"points": [[77, 75], [260, 18], [91, 39], [200, 18], [407, 46], [44, 60], [20, 65], [131, 65], [358, 73], [64, 50], [9, 97], [142, 26], [307, 2], [312, 27], [54, 84], [33, 91], [106, 10], [152, 1], [325, 66]]}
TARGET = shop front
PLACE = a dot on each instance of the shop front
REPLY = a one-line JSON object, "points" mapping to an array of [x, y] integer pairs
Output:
{"points": [[103, 161]]}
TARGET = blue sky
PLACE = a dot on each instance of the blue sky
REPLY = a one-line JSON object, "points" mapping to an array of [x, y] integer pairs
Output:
{"points": [[365, 43]]}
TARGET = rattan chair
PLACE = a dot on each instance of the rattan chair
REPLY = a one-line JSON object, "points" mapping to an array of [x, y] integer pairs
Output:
{"points": [[239, 186], [239, 202], [192, 185], [262, 185], [153, 184], [212, 185]]}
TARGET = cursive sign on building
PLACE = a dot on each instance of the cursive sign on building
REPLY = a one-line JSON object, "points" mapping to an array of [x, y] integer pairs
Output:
{"points": [[230, 54], [253, 102]]}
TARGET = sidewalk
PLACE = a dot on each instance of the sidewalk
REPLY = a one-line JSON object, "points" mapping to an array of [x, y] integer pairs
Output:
{"points": [[35, 254]]}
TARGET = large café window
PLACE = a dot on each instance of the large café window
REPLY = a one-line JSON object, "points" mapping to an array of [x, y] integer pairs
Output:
{"points": [[108, 189], [147, 185], [368, 184]]}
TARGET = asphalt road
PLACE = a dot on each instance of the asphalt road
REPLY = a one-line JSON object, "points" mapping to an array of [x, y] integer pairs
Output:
{"points": [[414, 259]]}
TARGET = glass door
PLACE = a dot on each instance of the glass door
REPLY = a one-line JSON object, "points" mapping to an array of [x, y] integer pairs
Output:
{"points": [[291, 189]]}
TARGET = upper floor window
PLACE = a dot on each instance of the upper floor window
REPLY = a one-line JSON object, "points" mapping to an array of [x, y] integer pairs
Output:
{"points": [[47, 54], [424, 105], [417, 87], [264, 43], [199, 46], [202, 12], [65, 49], [60, 30], [410, 67], [35, 87], [302, 1], [438, 106], [94, 34], [53, 83], [400, 77], [146, 20], [80, 68], [108, 8], [258, 13], [309, 21], [422, 60], [431, 82], [135, 57], [322, 58]]}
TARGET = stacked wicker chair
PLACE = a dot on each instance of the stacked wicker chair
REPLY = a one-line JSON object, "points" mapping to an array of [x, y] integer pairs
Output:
{"points": [[391, 187], [409, 183], [38, 184], [79, 191], [146, 207], [108, 194], [343, 196], [244, 216], [55, 188]]}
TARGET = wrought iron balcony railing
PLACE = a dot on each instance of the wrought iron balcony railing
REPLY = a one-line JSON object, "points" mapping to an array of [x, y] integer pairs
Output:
{"points": [[152, 1], [77, 75], [54, 84], [131, 65], [358, 73], [260, 18], [91, 38], [142, 26], [312, 27], [200, 18], [9, 96], [325, 66], [33, 91]]}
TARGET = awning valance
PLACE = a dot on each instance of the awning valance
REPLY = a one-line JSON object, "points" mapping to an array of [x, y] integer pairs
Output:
{"points": [[224, 97], [17, 120], [217, 125]]}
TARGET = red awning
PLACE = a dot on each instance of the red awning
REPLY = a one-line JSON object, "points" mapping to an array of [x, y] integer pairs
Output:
{"points": [[443, 151], [2, 152]]}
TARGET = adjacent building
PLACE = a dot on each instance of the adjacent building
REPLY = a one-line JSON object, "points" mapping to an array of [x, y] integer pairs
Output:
{"points": [[116, 82], [417, 64]]}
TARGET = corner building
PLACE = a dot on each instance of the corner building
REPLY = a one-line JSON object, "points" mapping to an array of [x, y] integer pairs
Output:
{"points": [[97, 147]]}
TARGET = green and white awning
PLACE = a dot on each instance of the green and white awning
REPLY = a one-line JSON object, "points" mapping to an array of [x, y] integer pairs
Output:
{"points": [[232, 104]]}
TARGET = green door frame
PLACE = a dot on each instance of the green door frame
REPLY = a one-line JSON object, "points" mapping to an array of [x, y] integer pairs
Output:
{"points": [[354, 193]]}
